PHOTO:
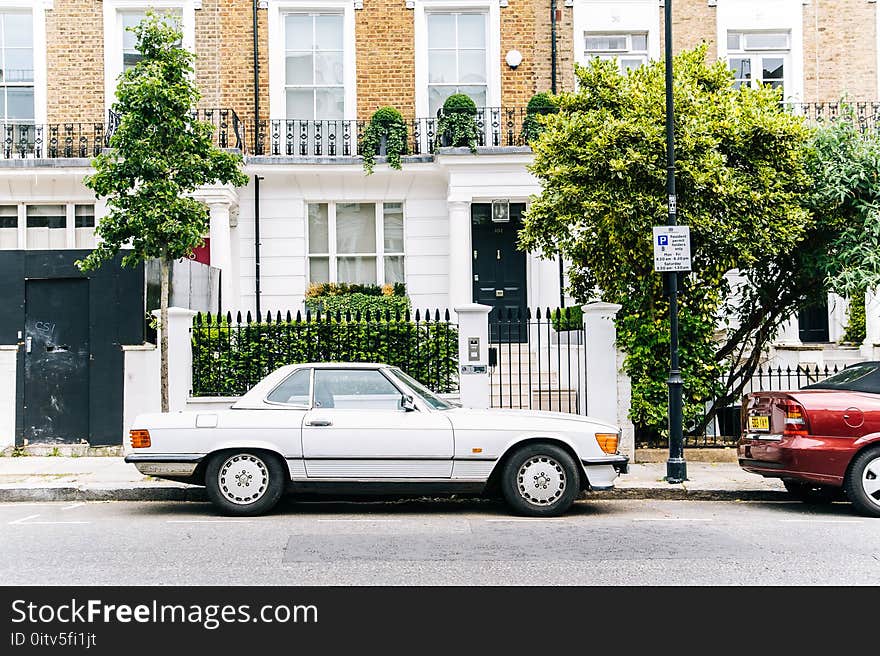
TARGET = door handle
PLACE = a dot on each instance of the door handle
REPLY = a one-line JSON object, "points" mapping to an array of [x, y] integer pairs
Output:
{"points": [[319, 422], [27, 344]]}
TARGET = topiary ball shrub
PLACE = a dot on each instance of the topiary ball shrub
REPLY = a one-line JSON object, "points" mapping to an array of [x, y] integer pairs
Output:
{"points": [[539, 105], [457, 125], [385, 134]]}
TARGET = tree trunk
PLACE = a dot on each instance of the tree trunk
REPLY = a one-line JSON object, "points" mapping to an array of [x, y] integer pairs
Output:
{"points": [[163, 324]]}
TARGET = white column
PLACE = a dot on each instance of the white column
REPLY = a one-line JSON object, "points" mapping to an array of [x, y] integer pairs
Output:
{"points": [[179, 356], [601, 365], [460, 254], [789, 335], [473, 357], [872, 323], [221, 251]]}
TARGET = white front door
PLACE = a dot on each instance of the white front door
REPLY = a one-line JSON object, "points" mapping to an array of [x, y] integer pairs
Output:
{"points": [[357, 429]]}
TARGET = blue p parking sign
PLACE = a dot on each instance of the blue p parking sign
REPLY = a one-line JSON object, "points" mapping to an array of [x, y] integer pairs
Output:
{"points": [[672, 248], [662, 240]]}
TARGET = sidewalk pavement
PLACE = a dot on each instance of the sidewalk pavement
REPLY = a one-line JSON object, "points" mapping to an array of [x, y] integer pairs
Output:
{"points": [[47, 478]]}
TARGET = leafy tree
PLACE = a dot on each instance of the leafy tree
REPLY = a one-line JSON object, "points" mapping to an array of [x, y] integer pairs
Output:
{"points": [[159, 154], [742, 173]]}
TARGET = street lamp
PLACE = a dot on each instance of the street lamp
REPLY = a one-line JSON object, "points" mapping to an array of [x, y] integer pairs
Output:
{"points": [[676, 467]]}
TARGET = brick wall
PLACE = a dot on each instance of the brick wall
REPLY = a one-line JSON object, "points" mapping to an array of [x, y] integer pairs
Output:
{"points": [[542, 50], [518, 32], [385, 47], [75, 61], [693, 21], [236, 78], [842, 35]]}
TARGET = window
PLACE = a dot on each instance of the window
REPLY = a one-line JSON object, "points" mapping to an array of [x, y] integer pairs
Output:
{"points": [[456, 58], [17, 67], [84, 216], [630, 50], [9, 216], [356, 242], [46, 226], [46, 216], [314, 84], [130, 54], [758, 58], [355, 389], [294, 390]]}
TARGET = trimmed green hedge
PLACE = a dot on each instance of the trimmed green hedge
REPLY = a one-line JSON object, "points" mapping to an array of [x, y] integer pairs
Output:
{"points": [[570, 318], [229, 359], [358, 302]]}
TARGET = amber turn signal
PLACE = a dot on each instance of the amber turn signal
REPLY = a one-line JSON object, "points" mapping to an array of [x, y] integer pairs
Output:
{"points": [[607, 442], [140, 439]]}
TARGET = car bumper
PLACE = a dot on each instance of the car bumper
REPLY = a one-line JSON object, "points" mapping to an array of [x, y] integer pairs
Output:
{"points": [[602, 471], [619, 462], [807, 457], [158, 464]]}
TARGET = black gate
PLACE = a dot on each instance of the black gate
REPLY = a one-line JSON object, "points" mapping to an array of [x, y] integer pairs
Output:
{"points": [[56, 360], [537, 360]]}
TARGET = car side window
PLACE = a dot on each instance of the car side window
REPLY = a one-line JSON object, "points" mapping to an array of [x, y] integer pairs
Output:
{"points": [[355, 389], [294, 390]]}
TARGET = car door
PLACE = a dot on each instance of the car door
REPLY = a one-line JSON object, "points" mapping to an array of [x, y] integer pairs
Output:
{"points": [[357, 429]]}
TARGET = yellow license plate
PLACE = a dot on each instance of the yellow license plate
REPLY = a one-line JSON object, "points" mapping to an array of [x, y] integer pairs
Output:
{"points": [[759, 423]]}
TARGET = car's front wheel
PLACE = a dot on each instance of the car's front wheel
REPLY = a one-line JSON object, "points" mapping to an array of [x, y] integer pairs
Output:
{"points": [[811, 493], [245, 483], [863, 482], [540, 480]]}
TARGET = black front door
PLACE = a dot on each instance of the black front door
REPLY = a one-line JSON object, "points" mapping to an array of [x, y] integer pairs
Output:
{"points": [[499, 267], [56, 360], [813, 323]]}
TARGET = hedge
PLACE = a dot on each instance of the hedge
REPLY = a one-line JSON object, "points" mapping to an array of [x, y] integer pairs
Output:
{"points": [[230, 358]]}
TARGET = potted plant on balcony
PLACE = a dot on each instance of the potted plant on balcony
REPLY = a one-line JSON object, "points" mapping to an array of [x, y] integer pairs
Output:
{"points": [[385, 135], [457, 125], [540, 104]]}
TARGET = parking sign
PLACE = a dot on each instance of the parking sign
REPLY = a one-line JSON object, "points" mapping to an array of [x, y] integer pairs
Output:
{"points": [[672, 248]]}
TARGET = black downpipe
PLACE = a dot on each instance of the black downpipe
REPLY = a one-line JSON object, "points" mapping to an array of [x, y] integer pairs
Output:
{"points": [[256, 177], [553, 90]]}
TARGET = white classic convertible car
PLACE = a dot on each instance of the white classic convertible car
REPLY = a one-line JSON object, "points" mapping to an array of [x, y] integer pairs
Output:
{"points": [[371, 428]]}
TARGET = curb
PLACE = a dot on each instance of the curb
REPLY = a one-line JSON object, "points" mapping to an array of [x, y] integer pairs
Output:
{"points": [[168, 493]]}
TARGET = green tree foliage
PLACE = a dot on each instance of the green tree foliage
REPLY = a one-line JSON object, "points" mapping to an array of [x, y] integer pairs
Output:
{"points": [[742, 162], [159, 154]]}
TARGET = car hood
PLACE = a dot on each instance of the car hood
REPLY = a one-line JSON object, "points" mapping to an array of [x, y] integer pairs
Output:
{"points": [[503, 418]]}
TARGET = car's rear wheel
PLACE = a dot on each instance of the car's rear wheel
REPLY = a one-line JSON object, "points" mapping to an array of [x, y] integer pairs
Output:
{"points": [[811, 493], [540, 480], [862, 482], [245, 483]]}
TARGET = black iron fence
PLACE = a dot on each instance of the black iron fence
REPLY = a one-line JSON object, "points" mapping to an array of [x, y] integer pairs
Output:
{"points": [[54, 140], [537, 360], [723, 430], [231, 354], [496, 126], [864, 114]]}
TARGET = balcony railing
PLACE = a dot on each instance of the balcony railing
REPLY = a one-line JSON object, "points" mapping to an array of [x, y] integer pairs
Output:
{"points": [[228, 128], [496, 126], [865, 114]]}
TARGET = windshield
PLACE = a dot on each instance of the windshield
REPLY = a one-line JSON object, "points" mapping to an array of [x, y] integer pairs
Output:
{"points": [[424, 393], [862, 377]]}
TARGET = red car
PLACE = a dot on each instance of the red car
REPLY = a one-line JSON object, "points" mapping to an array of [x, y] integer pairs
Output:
{"points": [[823, 441]]}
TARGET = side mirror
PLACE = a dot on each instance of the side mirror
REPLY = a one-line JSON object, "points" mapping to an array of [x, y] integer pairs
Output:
{"points": [[407, 404]]}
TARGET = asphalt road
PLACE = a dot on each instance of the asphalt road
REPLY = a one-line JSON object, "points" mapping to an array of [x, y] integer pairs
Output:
{"points": [[438, 542]]}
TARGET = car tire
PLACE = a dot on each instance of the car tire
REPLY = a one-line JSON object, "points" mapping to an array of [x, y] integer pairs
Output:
{"points": [[812, 493], [245, 483], [862, 483], [540, 480]]}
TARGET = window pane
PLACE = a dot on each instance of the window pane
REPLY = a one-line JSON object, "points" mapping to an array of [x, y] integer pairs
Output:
{"points": [[20, 103], [294, 390], [300, 103], [472, 66], [84, 216], [606, 42], [299, 68], [472, 31], [360, 270], [318, 228], [298, 32], [46, 216], [356, 229], [19, 65], [328, 68], [437, 96], [733, 40], [773, 68], [129, 20], [639, 42], [441, 31], [629, 63], [346, 389], [329, 103], [766, 40], [18, 30], [741, 67], [477, 94], [394, 269], [441, 66], [319, 269], [8, 216], [393, 228], [328, 32]]}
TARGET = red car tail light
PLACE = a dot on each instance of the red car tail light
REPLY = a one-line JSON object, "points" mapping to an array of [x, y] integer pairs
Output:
{"points": [[794, 417]]}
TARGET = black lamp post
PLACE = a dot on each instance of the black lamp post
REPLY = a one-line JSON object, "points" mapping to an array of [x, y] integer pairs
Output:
{"points": [[676, 467]]}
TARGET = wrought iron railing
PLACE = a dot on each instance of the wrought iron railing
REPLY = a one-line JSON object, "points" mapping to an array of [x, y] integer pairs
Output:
{"points": [[537, 360], [231, 354], [864, 114], [724, 429], [496, 126]]}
